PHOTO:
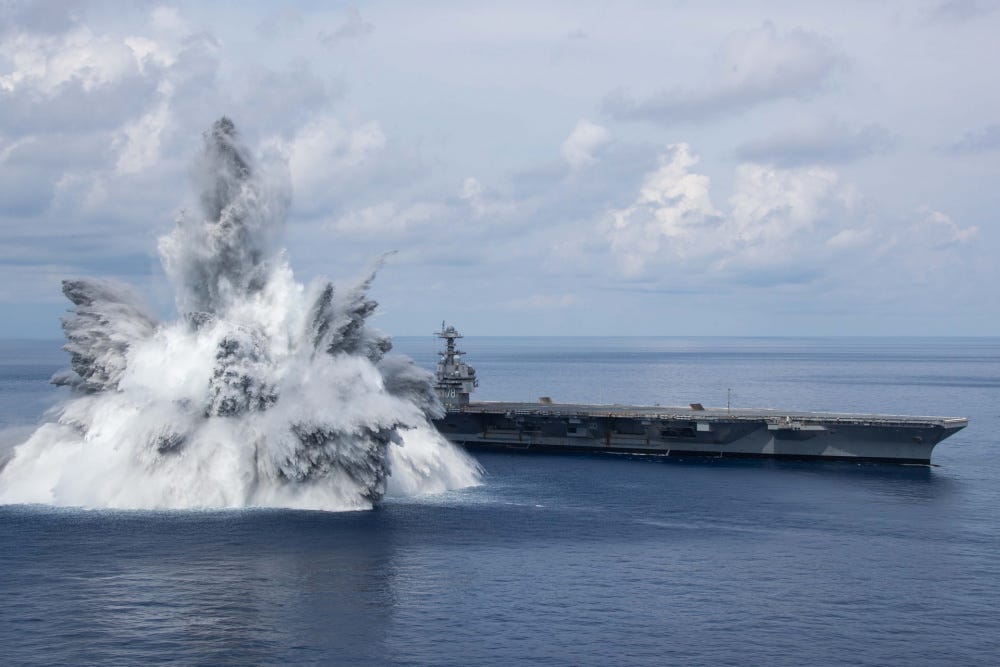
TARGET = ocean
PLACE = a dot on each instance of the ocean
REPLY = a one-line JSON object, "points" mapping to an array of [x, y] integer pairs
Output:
{"points": [[559, 560]]}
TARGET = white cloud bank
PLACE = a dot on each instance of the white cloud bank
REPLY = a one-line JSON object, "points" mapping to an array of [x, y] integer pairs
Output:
{"points": [[833, 153], [780, 226]]}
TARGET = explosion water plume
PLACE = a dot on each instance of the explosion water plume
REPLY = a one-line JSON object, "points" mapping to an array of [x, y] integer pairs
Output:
{"points": [[262, 393]]}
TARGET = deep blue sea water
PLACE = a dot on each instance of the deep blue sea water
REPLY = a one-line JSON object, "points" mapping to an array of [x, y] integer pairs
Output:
{"points": [[560, 560]]}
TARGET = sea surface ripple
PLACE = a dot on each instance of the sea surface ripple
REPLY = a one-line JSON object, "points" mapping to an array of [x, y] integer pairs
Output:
{"points": [[559, 560]]}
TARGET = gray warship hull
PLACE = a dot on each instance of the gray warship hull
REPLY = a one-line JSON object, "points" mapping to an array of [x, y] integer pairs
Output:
{"points": [[678, 432], [685, 432]]}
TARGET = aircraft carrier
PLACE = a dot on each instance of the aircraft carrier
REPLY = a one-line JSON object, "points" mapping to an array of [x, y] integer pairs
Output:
{"points": [[675, 431]]}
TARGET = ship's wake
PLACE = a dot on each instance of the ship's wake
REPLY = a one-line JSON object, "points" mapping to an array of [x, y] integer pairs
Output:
{"points": [[263, 393]]}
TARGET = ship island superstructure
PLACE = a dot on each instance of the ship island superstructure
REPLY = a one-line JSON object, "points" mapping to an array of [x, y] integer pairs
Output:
{"points": [[675, 431], [456, 380]]}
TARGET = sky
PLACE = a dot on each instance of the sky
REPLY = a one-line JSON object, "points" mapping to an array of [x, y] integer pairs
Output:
{"points": [[536, 168]]}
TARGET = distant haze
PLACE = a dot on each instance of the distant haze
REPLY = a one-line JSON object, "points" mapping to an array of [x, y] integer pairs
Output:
{"points": [[671, 168]]}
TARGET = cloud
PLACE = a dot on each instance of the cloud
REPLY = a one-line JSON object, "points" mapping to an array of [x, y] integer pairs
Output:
{"points": [[54, 16], [99, 119], [486, 204], [938, 230], [472, 192], [751, 67], [960, 11], [327, 159], [775, 226], [925, 248], [88, 116], [985, 140], [673, 213], [829, 142], [490, 165], [783, 217], [45, 62], [139, 142], [74, 80], [583, 142], [846, 239], [354, 27], [391, 221], [34, 168], [779, 227], [283, 99]]}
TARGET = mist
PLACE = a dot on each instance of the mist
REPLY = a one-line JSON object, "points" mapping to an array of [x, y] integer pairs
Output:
{"points": [[263, 391]]}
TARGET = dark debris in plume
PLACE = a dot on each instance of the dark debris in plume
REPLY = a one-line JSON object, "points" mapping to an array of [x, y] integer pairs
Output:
{"points": [[362, 456], [168, 443], [199, 320], [228, 253], [238, 383], [343, 327], [218, 262], [108, 318]]}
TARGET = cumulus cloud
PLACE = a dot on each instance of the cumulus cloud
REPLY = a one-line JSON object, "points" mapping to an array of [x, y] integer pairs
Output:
{"points": [[97, 119], [673, 213], [825, 142], [780, 226], [484, 165], [327, 157], [88, 113], [44, 62], [781, 217], [582, 144], [76, 79], [139, 141], [776, 220], [751, 67]]}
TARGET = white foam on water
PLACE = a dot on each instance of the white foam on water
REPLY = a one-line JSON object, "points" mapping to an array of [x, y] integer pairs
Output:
{"points": [[264, 393]]}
